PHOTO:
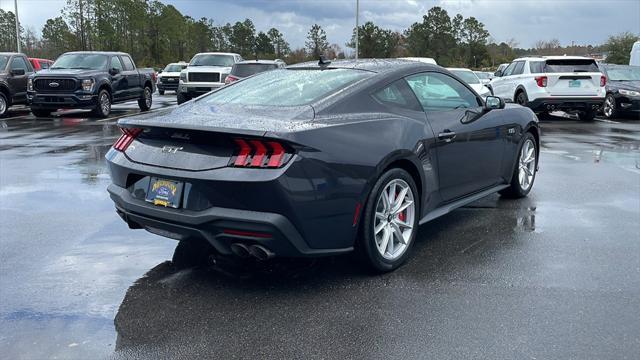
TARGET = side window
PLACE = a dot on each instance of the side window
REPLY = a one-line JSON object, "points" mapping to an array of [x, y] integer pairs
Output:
{"points": [[391, 95], [536, 67], [440, 92], [509, 70], [518, 69], [19, 63], [115, 63], [128, 64]]}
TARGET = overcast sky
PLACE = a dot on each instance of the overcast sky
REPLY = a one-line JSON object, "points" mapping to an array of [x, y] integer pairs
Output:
{"points": [[581, 21]]}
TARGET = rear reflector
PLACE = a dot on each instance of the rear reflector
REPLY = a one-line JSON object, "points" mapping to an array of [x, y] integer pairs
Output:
{"points": [[541, 81], [259, 154], [603, 81], [127, 137]]}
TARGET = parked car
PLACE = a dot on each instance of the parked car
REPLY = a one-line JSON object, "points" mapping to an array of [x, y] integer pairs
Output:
{"points": [[623, 90], [484, 76], [169, 78], [206, 72], [40, 64], [320, 159], [472, 79], [634, 56], [426, 60], [14, 71], [89, 80], [243, 69], [572, 84], [501, 67]]}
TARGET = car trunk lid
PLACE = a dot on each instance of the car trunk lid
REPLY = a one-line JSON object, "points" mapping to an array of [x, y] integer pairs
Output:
{"points": [[572, 77]]}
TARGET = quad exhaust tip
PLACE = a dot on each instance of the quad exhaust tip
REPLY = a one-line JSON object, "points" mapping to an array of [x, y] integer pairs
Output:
{"points": [[240, 250], [257, 251]]}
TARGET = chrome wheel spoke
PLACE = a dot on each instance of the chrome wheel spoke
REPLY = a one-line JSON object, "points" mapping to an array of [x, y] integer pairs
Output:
{"points": [[526, 168], [394, 219]]}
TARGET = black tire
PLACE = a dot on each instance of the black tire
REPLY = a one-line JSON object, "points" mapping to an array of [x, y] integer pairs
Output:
{"points": [[4, 105], [588, 115], [147, 99], [161, 92], [182, 98], [609, 109], [366, 245], [515, 190], [41, 113], [192, 253], [521, 98], [102, 110]]}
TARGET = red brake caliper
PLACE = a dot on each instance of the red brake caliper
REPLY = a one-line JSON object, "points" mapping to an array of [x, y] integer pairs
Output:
{"points": [[403, 215]]}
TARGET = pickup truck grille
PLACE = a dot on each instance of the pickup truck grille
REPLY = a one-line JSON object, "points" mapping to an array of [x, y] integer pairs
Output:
{"points": [[169, 79], [49, 85], [204, 77]]}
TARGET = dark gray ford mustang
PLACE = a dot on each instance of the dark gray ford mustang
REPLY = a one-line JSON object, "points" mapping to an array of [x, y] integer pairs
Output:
{"points": [[321, 159]]}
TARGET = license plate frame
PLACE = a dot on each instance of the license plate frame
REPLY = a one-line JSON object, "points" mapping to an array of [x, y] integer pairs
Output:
{"points": [[575, 83], [164, 192]]}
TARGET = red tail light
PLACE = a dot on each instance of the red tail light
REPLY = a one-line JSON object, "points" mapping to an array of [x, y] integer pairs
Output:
{"points": [[229, 79], [603, 81], [541, 81], [258, 153], [127, 137]]}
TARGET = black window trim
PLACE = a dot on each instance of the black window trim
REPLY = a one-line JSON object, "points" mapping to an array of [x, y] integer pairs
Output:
{"points": [[478, 99]]}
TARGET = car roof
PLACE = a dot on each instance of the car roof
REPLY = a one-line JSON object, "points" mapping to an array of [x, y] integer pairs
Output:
{"points": [[554, 57], [10, 53], [373, 65], [257, 61], [98, 52], [215, 53], [459, 69]]}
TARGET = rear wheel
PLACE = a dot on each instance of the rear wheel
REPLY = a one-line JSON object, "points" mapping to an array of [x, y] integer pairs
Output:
{"points": [[103, 107], [41, 113], [609, 109], [521, 98], [588, 115], [4, 105], [147, 99], [524, 173], [182, 98], [390, 221]]}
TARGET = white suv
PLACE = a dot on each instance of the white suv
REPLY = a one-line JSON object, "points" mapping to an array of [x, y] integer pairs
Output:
{"points": [[572, 84], [206, 72]]}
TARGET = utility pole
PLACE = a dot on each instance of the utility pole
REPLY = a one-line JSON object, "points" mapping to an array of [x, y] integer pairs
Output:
{"points": [[15, 3], [357, 26]]}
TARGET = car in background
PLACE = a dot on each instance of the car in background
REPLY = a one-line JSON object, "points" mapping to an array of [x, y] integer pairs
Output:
{"points": [[426, 60], [472, 79], [484, 76], [623, 90], [320, 159], [169, 77], [572, 84], [40, 64], [89, 80], [205, 72], [634, 56], [246, 68], [501, 68], [15, 69]]}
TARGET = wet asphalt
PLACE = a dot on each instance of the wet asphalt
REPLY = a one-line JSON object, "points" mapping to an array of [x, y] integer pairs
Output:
{"points": [[552, 276]]}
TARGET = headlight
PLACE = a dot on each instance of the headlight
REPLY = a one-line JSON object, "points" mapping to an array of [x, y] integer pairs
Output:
{"points": [[629, 92], [87, 84], [30, 85], [183, 77]]}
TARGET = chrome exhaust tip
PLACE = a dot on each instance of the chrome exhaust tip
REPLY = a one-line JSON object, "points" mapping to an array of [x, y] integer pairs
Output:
{"points": [[240, 250], [260, 252]]}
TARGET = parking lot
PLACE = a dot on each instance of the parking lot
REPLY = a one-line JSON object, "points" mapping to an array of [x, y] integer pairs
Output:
{"points": [[552, 276]]}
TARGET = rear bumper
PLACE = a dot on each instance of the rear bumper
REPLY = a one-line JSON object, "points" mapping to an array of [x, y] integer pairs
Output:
{"points": [[60, 101], [566, 104], [221, 227]]}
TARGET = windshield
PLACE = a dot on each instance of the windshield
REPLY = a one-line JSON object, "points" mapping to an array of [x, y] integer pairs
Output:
{"points": [[286, 87], [244, 70], [81, 61], [212, 60], [467, 76], [570, 65], [629, 73], [175, 68], [3, 62]]}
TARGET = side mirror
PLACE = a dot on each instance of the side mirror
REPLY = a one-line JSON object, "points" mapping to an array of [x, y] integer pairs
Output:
{"points": [[114, 71], [18, 72], [497, 73], [493, 102]]}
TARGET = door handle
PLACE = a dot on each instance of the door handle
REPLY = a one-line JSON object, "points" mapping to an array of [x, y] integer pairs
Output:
{"points": [[447, 136]]}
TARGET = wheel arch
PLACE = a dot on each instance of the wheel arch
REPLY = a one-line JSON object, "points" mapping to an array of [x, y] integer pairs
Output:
{"points": [[6, 92], [406, 160], [520, 88]]}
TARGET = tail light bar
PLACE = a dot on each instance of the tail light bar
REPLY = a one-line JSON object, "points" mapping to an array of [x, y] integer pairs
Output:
{"points": [[260, 154], [127, 137], [603, 81], [229, 79], [541, 81]]}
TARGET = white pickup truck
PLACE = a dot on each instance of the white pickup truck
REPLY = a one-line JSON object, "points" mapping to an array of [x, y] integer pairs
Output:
{"points": [[573, 84], [206, 72]]}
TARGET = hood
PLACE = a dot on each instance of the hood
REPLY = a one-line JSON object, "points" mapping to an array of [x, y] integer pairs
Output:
{"points": [[243, 119], [208, 69], [628, 85], [479, 88], [68, 72]]}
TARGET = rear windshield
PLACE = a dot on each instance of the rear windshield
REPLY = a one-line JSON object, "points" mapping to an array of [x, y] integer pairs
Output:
{"points": [[244, 70], [286, 87], [175, 68], [467, 76], [3, 61], [624, 73], [570, 65]]}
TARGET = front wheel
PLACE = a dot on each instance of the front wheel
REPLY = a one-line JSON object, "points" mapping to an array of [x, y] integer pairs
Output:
{"points": [[609, 109], [182, 98], [4, 105], [525, 170], [390, 221], [588, 115], [103, 107], [147, 99]]}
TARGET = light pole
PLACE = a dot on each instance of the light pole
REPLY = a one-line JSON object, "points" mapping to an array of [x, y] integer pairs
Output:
{"points": [[15, 3], [357, 28]]}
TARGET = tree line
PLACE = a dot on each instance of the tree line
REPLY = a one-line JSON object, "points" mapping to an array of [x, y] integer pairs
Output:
{"points": [[156, 34]]}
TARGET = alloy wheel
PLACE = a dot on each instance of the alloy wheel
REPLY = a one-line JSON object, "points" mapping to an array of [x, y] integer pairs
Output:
{"points": [[3, 105], [394, 218], [609, 106], [527, 164], [105, 103], [147, 97]]}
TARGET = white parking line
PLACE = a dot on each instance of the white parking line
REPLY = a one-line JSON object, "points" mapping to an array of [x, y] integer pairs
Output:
{"points": [[607, 121]]}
